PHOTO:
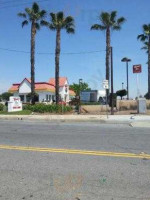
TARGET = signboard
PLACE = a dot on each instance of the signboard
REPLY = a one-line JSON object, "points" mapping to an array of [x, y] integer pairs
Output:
{"points": [[105, 84], [14, 104], [137, 69]]}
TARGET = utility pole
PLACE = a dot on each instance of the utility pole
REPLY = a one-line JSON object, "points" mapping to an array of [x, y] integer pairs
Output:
{"points": [[112, 84], [122, 85], [79, 109]]}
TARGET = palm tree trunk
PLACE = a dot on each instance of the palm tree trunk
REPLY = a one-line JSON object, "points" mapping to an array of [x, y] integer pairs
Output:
{"points": [[33, 32], [149, 68], [108, 56], [57, 56]]}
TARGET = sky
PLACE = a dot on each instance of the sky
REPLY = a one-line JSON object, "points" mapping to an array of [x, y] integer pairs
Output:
{"points": [[83, 53]]}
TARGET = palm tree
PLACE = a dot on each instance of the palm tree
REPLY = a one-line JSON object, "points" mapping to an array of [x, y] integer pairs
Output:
{"points": [[33, 15], [145, 38], [57, 23], [108, 22]]}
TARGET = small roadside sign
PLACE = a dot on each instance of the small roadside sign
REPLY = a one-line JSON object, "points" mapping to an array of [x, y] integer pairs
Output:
{"points": [[105, 84], [137, 69]]}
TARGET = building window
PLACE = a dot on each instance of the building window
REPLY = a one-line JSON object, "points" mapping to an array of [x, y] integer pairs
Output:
{"points": [[22, 98], [50, 97], [47, 98], [53, 98]]}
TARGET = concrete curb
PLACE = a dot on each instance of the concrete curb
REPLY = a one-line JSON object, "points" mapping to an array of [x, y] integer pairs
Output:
{"points": [[129, 119]]}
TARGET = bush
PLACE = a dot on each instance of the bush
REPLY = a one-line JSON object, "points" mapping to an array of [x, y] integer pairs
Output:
{"points": [[5, 96], [1, 107], [42, 108]]}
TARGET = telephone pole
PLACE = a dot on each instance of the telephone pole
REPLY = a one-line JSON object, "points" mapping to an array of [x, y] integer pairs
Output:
{"points": [[112, 83]]}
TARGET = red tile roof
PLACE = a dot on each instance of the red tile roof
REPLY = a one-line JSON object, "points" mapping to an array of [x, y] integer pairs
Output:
{"points": [[62, 81], [42, 86]]}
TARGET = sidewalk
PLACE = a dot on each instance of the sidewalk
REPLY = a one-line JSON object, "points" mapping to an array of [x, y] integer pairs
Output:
{"points": [[129, 119]]}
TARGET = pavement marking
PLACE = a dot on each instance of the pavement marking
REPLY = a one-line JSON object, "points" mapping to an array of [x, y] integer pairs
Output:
{"points": [[74, 151]]}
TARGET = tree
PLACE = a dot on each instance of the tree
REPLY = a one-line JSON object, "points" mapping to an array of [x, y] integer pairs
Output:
{"points": [[145, 38], [121, 93], [146, 96], [57, 23], [77, 88], [5, 96], [33, 15], [108, 23]]}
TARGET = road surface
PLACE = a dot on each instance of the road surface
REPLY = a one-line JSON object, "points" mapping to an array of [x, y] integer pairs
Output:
{"points": [[68, 161]]}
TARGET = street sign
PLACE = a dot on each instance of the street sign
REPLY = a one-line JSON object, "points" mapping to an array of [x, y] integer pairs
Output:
{"points": [[105, 84], [137, 69]]}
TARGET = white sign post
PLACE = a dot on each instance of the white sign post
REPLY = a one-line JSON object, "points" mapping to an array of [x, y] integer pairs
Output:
{"points": [[106, 87], [14, 104], [136, 70]]}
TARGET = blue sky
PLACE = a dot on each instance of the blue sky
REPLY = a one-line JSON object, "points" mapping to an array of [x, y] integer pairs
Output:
{"points": [[91, 67]]}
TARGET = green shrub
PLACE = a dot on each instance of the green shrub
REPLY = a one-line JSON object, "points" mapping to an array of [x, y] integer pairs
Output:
{"points": [[1, 107], [42, 108]]}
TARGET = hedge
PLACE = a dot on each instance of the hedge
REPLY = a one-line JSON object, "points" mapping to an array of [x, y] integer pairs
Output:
{"points": [[42, 108], [1, 107]]}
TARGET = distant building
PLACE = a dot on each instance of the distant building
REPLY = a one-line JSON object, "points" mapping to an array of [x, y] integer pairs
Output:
{"points": [[45, 90], [93, 96]]}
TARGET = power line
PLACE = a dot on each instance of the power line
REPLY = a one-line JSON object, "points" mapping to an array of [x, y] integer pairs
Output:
{"points": [[46, 53], [14, 6]]}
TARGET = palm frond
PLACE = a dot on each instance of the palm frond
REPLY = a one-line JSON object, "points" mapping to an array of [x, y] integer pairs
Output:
{"points": [[25, 22], [116, 27], [69, 19], [28, 11], [35, 8], [37, 25], [145, 27], [142, 37], [22, 15], [44, 23], [52, 27], [105, 18], [43, 13], [70, 30], [113, 16], [60, 16], [53, 17], [144, 48], [98, 27], [121, 20]]}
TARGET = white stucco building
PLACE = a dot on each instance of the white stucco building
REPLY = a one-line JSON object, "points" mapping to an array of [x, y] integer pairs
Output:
{"points": [[45, 90]]}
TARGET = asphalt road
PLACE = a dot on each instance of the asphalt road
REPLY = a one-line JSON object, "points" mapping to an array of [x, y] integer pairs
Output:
{"points": [[60, 173]]}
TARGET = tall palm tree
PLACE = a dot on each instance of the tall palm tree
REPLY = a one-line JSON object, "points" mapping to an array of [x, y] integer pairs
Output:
{"points": [[145, 38], [58, 22], [33, 15], [108, 23]]}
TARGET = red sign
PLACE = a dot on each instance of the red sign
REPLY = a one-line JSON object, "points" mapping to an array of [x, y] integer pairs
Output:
{"points": [[137, 69]]}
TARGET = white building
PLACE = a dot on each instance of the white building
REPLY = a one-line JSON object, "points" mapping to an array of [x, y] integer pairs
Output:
{"points": [[93, 95], [45, 90]]}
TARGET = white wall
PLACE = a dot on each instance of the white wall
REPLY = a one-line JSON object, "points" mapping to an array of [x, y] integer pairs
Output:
{"points": [[25, 87], [42, 95], [62, 92]]}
